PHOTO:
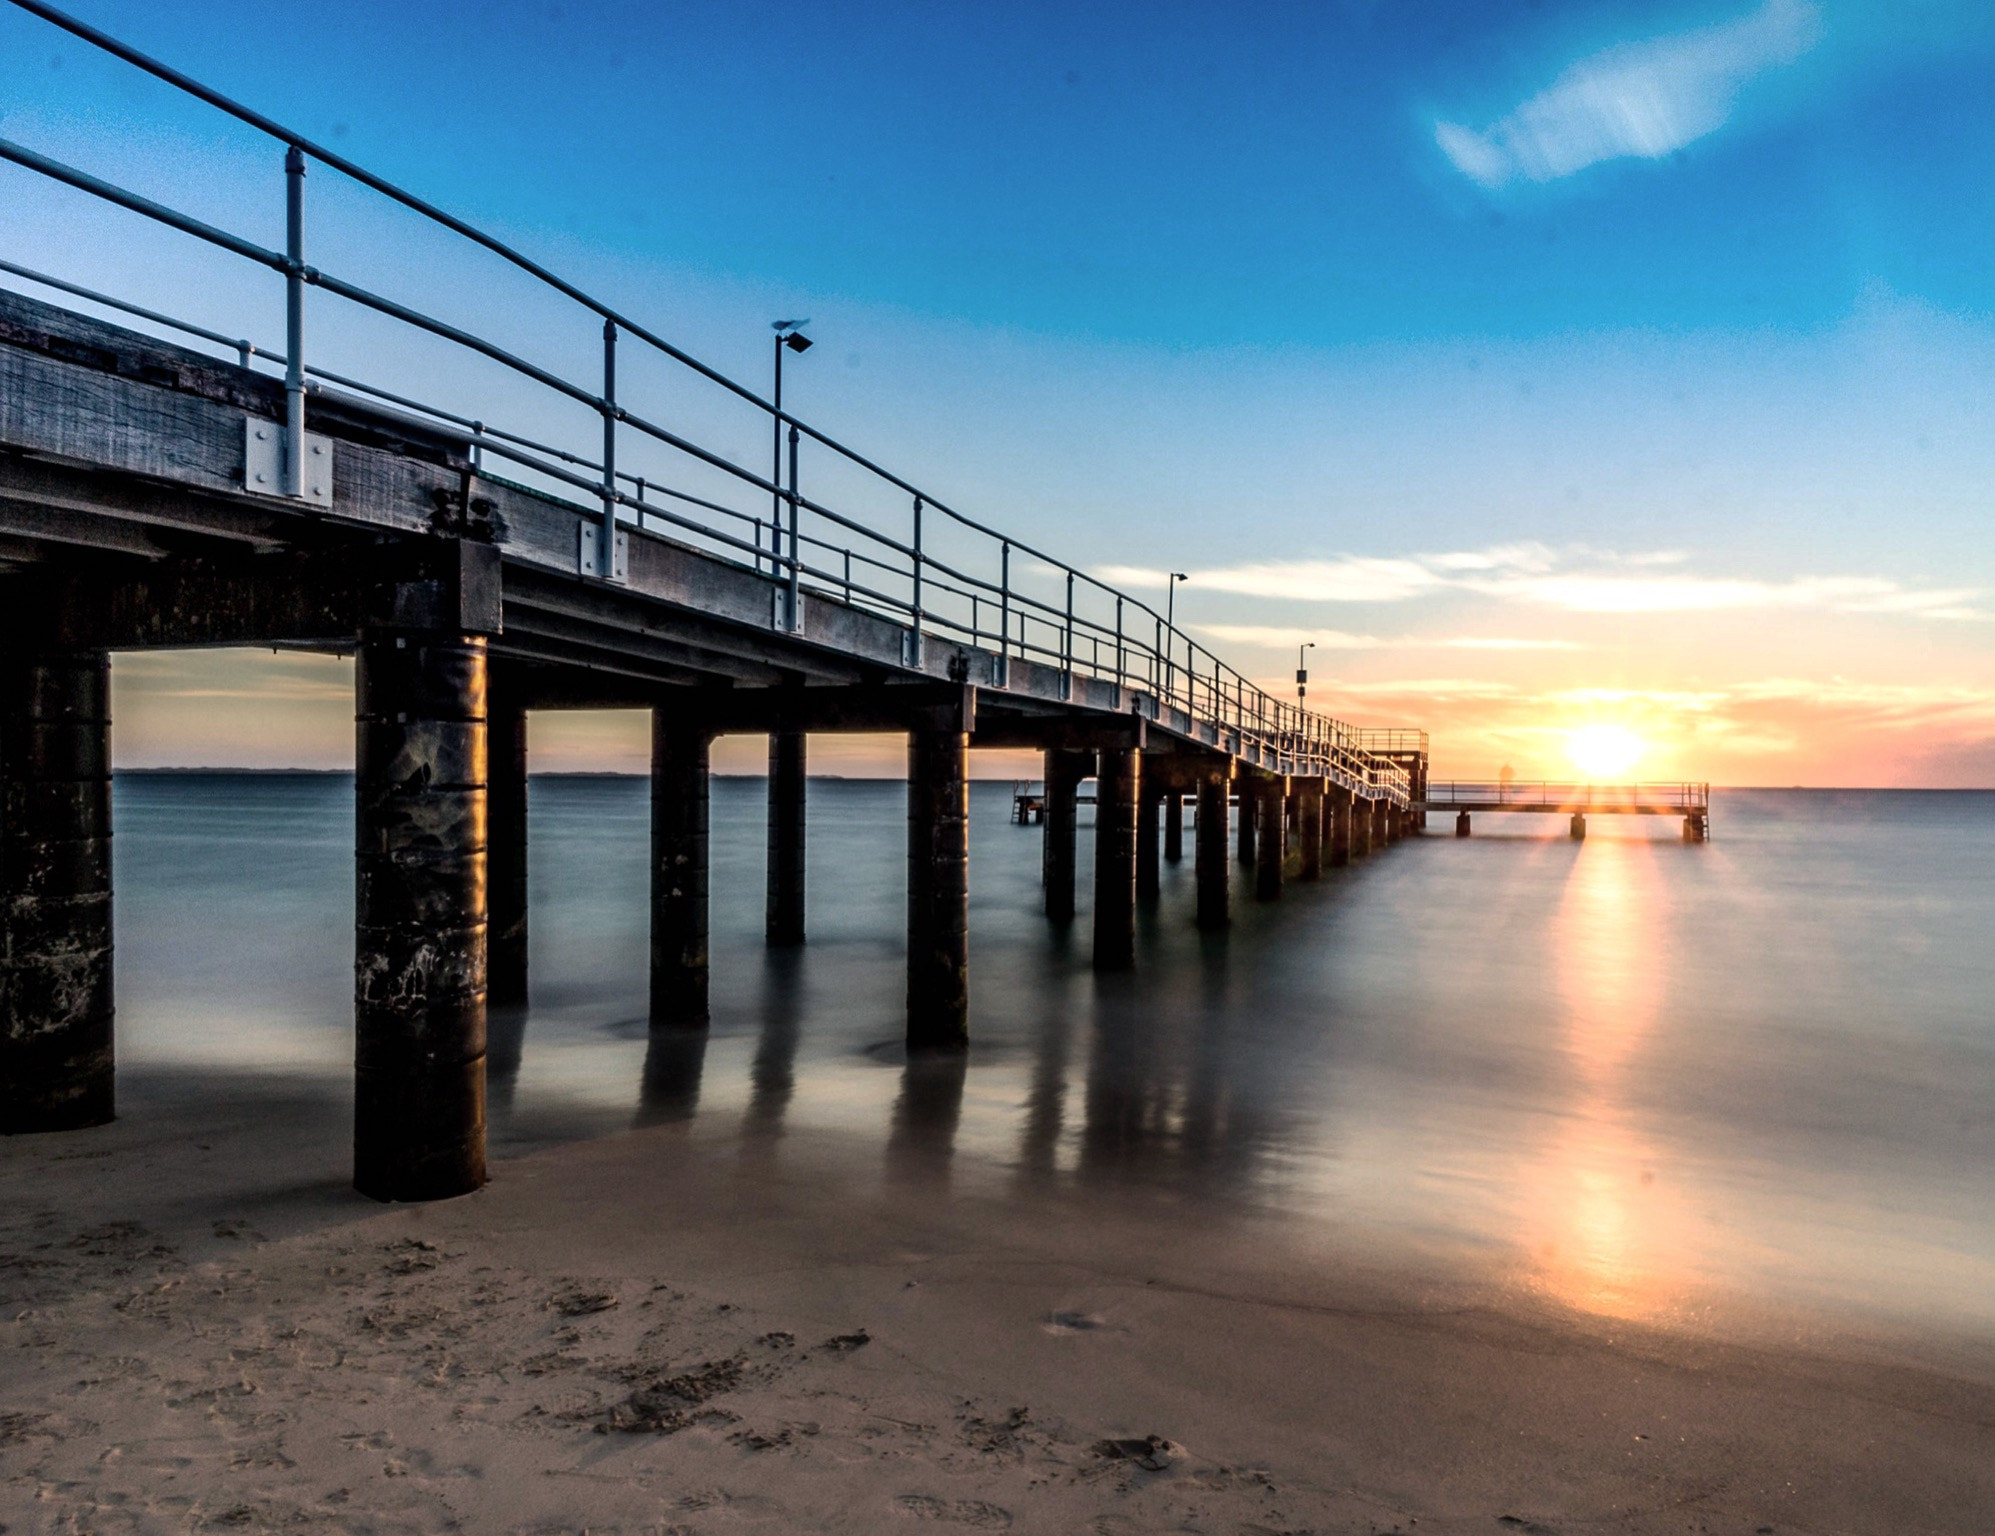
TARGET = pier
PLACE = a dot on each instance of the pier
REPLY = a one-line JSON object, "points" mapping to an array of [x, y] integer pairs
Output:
{"points": [[1576, 802], [215, 491]]}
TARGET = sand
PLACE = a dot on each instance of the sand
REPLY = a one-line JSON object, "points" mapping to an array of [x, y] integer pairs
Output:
{"points": [[681, 1330]]}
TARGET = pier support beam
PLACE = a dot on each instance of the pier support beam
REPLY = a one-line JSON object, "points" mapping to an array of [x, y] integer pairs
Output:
{"points": [[1361, 827], [506, 849], [1462, 824], [1578, 826], [1244, 846], [679, 791], [1064, 771], [1309, 794], [938, 882], [1395, 823], [1174, 827], [56, 1066], [1272, 798], [420, 937], [1118, 785], [1210, 850], [1340, 826], [784, 907], [1380, 823], [1148, 875]]}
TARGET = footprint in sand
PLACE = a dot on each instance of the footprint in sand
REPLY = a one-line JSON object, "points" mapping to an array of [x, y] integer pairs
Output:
{"points": [[972, 1512]]}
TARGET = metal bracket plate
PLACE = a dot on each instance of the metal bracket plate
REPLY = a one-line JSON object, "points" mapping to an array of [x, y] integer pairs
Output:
{"points": [[263, 462], [589, 563]]}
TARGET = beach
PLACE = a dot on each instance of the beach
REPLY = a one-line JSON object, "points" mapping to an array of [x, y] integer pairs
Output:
{"points": [[650, 1332]]}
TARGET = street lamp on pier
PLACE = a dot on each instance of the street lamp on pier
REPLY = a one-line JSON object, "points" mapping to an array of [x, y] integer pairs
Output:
{"points": [[1302, 671], [790, 337]]}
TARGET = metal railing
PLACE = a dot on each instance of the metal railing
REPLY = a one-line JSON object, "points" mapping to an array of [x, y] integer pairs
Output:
{"points": [[942, 574], [1448, 794]]}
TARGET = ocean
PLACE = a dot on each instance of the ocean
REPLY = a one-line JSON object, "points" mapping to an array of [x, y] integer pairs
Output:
{"points": [[1736, 1086]]}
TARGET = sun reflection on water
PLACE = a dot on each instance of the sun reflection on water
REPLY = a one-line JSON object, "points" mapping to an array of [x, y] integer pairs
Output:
{"points": [[1606, 1230]]}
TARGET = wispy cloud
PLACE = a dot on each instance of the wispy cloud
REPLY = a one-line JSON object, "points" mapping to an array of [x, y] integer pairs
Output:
{"points": [[1644, 99], [1577, 580], [1341, 640], [1505, 643], [1275, 634]]}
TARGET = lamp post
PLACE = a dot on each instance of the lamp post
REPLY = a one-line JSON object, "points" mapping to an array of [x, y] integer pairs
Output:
{"points": [[1302, 671], [790, 336], [1171, 628]]}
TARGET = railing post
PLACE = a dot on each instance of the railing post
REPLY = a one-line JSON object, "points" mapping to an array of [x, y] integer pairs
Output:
{"points": [[796, 549], [294, 321], [914, 640], [1118, 647], [1004, 614], [606, 545], [1067, 643]]}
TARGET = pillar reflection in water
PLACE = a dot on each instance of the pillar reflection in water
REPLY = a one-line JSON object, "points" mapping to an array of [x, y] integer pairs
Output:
{"points": [[1164, 1101], [772, 1076], [1046, 1098], [505, 1044], [669, 1091], [923, 1138], [1607, 1234]]}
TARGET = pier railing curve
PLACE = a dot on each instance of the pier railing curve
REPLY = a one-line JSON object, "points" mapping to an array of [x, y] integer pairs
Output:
{"points": [[941, 573]]}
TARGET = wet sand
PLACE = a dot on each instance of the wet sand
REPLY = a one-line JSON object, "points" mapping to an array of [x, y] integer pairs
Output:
{"points": [[678, 1330]]}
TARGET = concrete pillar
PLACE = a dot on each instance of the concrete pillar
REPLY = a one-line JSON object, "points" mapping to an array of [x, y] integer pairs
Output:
{"points": [[1379, 809], [1064, 771], [506, 850], [783, 910], [1462, 824], [1272, 797], [1395, 823], [56, 1066], [420, 937], [938, 884], [1310, 806], [1174, 827], [1340, 827], [679, 791], [1118, 785], [1578, 826], [1210, 850], [1361, 827], [1148, 876], [1245, 847], [1695, 829]]}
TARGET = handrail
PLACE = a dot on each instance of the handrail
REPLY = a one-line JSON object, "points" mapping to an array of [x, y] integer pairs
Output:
{"points": [[1139, 651], [1442, 793]]}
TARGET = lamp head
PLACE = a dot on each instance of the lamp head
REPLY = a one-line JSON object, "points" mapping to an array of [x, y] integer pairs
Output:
{"points": [[797, 341]]}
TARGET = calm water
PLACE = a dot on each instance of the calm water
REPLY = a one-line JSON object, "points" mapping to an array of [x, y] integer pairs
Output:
{"points": [[1637, 1078]]}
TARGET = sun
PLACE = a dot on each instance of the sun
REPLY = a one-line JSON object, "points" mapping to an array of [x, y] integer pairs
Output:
{"points": [[1605, 751]]}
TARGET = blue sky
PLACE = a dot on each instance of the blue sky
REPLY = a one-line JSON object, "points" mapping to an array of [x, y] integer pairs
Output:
{"points": [[1652, 340]]}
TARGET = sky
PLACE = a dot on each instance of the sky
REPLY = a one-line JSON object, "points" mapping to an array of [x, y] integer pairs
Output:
{"points": [[1553, 368]]}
